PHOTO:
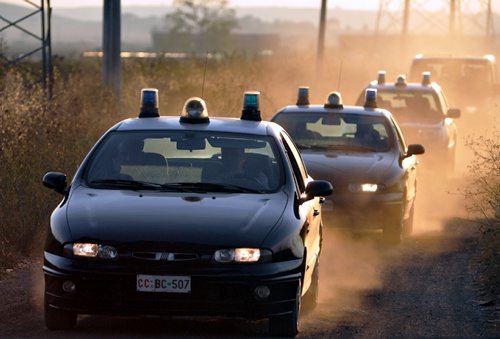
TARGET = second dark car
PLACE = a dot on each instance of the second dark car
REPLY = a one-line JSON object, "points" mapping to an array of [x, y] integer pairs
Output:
{"points": [[362, 151]]}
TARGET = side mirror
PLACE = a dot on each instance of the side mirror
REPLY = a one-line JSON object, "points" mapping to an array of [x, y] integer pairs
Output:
{"points": [[414, 149], [55, 181], [317, 188], [453, 113]]}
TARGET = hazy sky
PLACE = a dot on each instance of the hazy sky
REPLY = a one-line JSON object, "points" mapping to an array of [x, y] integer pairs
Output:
{"points": [[366, 4], [347, 4]]}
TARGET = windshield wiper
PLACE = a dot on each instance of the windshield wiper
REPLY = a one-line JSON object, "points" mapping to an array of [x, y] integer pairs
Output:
{"points": [[214, 187], [134, 184]]}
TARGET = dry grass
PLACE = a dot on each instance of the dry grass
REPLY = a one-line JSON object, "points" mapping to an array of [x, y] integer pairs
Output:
{"points": [[40, 135]]}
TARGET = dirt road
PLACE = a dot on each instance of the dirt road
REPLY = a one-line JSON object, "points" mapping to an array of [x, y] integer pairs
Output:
{"points": [[423, 288]]}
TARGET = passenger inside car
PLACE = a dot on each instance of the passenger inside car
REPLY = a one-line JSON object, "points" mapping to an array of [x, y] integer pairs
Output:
{"points": [[420, 108], [133, 150], [245, 167], [367, 136], [298, 130]]}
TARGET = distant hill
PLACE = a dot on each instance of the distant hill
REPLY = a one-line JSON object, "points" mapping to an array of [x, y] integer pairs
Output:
{"points": [[78, 29]]}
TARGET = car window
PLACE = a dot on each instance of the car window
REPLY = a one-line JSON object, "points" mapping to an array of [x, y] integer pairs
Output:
{"points": [[174, 157], [453, 70], [410, 106], [334, 130]]}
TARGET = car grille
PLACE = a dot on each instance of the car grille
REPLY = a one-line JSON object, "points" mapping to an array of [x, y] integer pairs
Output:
{"points": [[166, 256]]}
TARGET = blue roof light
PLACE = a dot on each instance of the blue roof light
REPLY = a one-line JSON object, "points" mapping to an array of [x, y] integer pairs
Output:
{"points": [[381, 77], [251, 106], [303, 96], [149, 103], [426, 78], [371, 98]]}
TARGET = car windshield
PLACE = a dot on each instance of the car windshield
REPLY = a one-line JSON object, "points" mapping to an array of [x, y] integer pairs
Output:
{"points": [[449, 71], [411, 106], [338, 131], [185, 162]]}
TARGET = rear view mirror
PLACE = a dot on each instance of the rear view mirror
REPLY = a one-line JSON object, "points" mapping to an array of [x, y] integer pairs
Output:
{"points": [[331, 120], [191, 144]]}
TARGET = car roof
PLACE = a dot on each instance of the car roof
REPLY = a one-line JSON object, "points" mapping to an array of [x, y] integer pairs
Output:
{"points": [[215, 124], [195, 117], [488, 57], [360, 110], [409, 87]]}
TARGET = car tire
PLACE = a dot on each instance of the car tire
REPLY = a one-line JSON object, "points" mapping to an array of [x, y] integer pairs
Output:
{"points": [[287, 325], [56, 319], [393, 228], [310, 299]]}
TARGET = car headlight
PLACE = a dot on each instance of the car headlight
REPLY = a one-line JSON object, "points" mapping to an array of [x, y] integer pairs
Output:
{"points": [[90, 250], [366, 187], [240, 255]]}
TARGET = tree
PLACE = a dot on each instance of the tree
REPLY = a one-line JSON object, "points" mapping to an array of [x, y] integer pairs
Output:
{"points": [[200, 25]]}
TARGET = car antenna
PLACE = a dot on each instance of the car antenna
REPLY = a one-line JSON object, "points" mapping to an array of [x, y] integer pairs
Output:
{"points": [[204, 75], [340, 76]]}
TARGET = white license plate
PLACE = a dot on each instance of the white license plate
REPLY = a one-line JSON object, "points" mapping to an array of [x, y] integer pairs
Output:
{"points": [[163, 283]]}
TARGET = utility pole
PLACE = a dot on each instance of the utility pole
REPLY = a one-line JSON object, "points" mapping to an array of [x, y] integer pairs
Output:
{"points": [[111, 46], [406, 23], [321, 36], [40, 43]]}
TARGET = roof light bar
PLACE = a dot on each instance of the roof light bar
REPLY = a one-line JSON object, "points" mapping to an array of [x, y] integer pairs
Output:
{"points": [[370, 98], [149, 103], [381, 77], [251, 106], [303, 96], [194, 111], [426, 78], [334, 100], [401, 80]]}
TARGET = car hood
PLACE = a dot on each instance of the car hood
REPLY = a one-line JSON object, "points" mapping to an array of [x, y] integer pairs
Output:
{"points": [[341, 167], [123, 216]]}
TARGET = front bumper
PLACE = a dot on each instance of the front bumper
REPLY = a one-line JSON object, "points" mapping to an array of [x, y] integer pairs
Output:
{"points": [[214, 292]]}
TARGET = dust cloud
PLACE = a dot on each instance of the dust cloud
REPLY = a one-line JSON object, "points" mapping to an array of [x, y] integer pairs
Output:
{"points": [[349, 265]]}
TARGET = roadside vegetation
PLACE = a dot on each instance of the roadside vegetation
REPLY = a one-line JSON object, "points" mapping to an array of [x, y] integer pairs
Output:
{"points": [[483, 202], [40, 135]]}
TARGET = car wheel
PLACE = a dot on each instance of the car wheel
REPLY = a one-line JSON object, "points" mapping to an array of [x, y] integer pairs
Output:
{"points": [[310, 299], [393, 229], [287, 325], [408, 223], [56, 319]]}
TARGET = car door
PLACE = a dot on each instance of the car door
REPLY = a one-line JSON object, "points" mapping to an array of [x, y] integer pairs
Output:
{"points": [[309, 212]]}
